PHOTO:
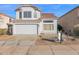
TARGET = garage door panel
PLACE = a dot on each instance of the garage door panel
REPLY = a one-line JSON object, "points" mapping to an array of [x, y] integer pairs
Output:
{"points": [[25, 29]]}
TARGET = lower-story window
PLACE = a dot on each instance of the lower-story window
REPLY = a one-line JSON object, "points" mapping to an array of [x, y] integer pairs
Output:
{"points": [[48, 27]]}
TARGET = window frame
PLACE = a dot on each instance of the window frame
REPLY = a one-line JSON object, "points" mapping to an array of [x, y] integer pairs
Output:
{"points": [[27, 14], [20, 15], [35, 14], [49, 28]]}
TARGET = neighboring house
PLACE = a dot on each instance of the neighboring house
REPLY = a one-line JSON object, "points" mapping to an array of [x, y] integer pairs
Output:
{"points": [[69, 20], [30, 20], [4, 21]]}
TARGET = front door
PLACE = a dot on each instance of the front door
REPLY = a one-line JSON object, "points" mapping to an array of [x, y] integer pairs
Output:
{"points": [[10, 29]]}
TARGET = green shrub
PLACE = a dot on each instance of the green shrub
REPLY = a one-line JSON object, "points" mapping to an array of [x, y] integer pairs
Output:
{"points": [[3, 31], [59, 27]]}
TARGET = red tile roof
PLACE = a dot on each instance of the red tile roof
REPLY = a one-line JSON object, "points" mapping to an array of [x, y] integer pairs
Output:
{"points": [[2, 14], [48, 15]]}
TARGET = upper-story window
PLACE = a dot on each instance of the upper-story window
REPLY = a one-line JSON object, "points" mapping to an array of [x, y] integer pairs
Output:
{"points": [[27, 14], [35, 15], [20, 14]]}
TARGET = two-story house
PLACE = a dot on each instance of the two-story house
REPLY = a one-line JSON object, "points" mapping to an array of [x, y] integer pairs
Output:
{"points": [[31, 20]]}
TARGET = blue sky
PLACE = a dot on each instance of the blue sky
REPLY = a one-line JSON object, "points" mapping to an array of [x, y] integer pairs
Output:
{"points": [[57, 9]]}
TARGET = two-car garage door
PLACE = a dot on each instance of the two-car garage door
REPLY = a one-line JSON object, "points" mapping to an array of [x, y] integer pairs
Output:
{"points": [[25, 29]]}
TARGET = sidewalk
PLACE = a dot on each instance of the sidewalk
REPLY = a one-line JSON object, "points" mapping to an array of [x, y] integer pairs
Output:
{"points": [[40, 50]]}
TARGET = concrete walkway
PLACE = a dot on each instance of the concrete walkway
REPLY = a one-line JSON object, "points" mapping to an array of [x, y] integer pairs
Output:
{"points": [[30, 45]]}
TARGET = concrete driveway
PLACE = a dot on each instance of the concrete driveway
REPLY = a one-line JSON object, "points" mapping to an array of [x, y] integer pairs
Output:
{"points": [[32, 45]]}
